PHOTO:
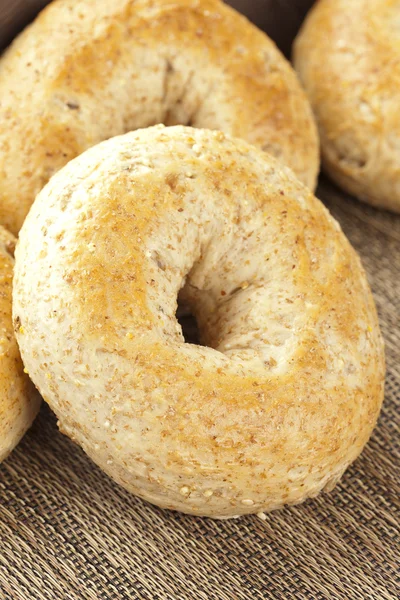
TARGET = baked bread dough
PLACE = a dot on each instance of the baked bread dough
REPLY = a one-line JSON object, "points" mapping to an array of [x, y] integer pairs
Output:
{"points": [[19, 403], [86, 71], [285, 391], [348, 57]]}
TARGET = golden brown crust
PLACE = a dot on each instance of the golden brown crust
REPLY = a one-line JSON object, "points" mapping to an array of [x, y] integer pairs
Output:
{"points": [[288, 390], [18, 401], [86, 71], [348, 58]]}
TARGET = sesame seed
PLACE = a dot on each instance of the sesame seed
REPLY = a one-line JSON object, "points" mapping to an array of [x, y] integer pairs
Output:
{"points": [[247, 502], [218, 135], [185, 490]]}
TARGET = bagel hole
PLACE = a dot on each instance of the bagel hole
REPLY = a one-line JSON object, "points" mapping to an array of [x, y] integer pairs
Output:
{"points": [[188, 323]]}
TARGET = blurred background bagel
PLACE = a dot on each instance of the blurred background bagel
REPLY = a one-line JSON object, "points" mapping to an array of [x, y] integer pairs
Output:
{"points": [[279, 18]]}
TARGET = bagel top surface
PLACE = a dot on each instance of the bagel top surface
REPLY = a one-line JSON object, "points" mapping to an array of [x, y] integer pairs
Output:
{"points": [[18, 402], [288, 386], [86, 71], [348, 57]]}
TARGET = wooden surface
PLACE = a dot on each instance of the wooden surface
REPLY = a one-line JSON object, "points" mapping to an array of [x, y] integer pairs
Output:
{"points": [[279, 18], [14, 15]]}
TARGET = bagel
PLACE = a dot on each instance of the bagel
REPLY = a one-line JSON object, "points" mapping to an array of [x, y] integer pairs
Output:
{"points": [[19, 403], [288, 385], [89, 70], [347, 55]]}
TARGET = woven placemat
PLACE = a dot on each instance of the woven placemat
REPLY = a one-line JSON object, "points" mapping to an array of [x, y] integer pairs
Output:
{"points": [[68, 532]]}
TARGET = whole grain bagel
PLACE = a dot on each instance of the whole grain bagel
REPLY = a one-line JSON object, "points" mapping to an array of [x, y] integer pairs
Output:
{"points": [[348, 57], [19, 403], [288, 385], [86, 71]]}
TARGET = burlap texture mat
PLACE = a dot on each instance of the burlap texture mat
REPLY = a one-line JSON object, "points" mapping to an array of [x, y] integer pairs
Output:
{"points": [[68, 532]]}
